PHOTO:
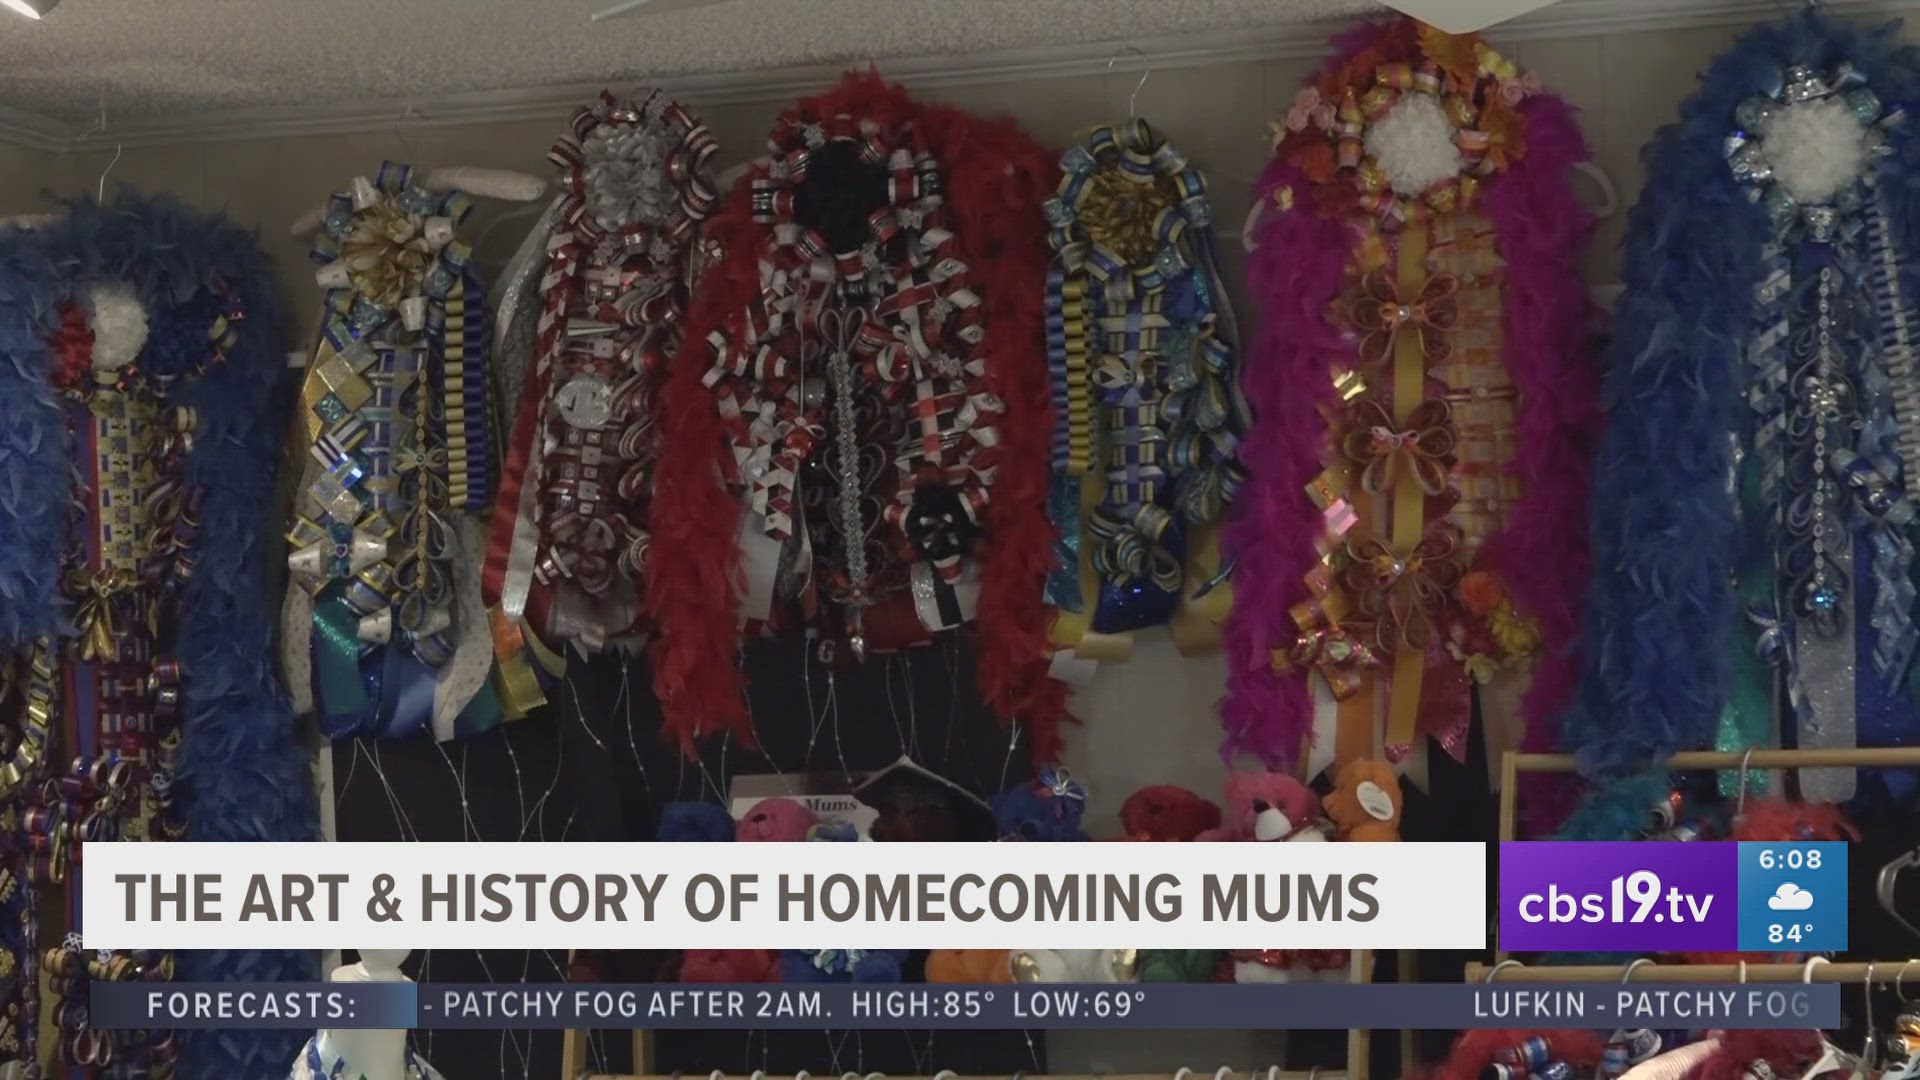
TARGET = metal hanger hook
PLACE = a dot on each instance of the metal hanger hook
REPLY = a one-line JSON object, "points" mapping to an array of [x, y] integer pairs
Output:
{"points": [[1899, 983], [1494, 971], [1626, 976], [1133, 99], [1740, 808]]}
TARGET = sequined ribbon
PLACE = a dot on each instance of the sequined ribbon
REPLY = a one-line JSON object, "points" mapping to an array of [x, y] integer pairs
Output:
{"points": [[1824, 626], [1886, 260]]}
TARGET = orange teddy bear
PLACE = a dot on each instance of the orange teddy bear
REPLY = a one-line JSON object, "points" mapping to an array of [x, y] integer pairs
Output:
{"points": [[969, 966], [1365, 802]]}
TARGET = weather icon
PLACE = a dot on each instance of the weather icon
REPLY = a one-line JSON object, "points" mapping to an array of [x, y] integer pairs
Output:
{"points": [[1790, 897]]}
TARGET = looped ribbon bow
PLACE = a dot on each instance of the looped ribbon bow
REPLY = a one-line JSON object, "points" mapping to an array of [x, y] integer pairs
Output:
{"points": [[388, 252], [1060, 790], [424, 466], [1379, 314], [1400, 592], [98, 592], [1421, 448]]}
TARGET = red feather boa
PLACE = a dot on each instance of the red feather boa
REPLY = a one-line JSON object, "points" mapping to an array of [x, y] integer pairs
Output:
{"points": [[1476, 1050], [997, 178]]}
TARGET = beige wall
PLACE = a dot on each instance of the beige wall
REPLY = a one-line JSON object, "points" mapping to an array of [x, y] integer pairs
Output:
{"points": [[23, 173]]}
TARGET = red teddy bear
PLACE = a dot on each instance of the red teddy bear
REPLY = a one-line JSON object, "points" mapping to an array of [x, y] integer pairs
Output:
{"points": [[1167, 812]]}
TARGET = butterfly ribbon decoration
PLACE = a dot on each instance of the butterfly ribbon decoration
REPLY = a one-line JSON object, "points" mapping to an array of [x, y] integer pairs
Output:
{"points": [[1420, 449], [1379, 314], [1400, 591]]}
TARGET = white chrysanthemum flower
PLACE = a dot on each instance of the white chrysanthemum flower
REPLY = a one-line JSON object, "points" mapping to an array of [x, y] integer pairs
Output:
{"points": [[119, 324]]}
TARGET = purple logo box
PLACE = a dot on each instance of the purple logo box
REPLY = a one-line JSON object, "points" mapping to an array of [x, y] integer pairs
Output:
{"points": [[1579, 896]]}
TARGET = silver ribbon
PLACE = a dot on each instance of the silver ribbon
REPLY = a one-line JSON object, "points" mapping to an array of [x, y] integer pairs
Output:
{"points": [[1897, 338]]}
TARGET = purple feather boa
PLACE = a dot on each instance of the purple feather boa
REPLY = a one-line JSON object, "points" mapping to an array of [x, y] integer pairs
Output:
{"points": [[1295, 275]]}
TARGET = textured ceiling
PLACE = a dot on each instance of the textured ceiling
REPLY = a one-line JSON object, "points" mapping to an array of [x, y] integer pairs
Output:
{"points": [[171, 57]]}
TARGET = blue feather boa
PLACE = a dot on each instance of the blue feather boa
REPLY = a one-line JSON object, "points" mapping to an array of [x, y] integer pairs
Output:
{"points": [[241, 775], [1666, 533]]}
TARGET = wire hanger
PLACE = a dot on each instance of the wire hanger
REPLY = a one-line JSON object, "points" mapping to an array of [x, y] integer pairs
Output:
{"points": [[1133, 99]]}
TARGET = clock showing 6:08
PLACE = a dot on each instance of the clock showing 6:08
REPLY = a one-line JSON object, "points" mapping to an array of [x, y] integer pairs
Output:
{"points": [[1793, 896]]}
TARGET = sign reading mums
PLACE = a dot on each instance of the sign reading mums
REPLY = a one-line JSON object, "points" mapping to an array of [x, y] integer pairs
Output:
{"points": [[774, 895]]}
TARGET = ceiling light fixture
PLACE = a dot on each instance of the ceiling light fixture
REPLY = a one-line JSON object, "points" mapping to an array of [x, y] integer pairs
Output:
{"points": [[32, 9]]}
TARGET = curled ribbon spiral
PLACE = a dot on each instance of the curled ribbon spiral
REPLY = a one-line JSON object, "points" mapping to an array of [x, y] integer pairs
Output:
{"points": [[1401, 592], [1379, 314], [1421, 448]]}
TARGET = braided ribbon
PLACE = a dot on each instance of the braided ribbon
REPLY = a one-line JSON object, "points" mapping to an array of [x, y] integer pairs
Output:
{"points": [[1419, 450]]}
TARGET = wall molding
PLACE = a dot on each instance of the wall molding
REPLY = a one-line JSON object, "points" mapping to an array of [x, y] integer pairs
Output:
{"points": [[1568, 18]]}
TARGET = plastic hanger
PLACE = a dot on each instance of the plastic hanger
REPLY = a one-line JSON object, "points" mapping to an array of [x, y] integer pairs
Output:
{"points": [[1888, 881], [1832, 1058], [1899, 1040]]}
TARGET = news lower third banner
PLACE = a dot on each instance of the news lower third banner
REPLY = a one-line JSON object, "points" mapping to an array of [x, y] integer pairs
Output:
{"points": [[1145, 1006], [785, 896]]}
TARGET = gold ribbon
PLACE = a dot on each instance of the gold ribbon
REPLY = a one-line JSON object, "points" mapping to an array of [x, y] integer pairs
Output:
{"points": [[1196, 623], [386, 254], [515, 682], [96, 592], [1436, 313], [1122, 214]]}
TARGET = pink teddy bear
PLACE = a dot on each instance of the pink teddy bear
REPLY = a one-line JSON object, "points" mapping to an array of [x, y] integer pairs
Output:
{"points": [[1268, 806]]}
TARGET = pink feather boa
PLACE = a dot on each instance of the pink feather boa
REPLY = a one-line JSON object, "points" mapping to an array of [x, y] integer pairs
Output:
{"points": [[1296, 274]]}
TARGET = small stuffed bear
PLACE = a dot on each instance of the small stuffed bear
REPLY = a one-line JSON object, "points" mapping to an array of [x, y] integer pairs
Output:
{"points": [[1267, 806], [842, 965], [1167, 812], [1072, 965], [1365, 802], [1048, 808], [775, 820], [969, 966], [730, 966], [695, 821]]}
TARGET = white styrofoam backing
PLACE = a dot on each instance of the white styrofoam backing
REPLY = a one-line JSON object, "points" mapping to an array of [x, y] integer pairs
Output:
{"points": [[165, 57]]}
